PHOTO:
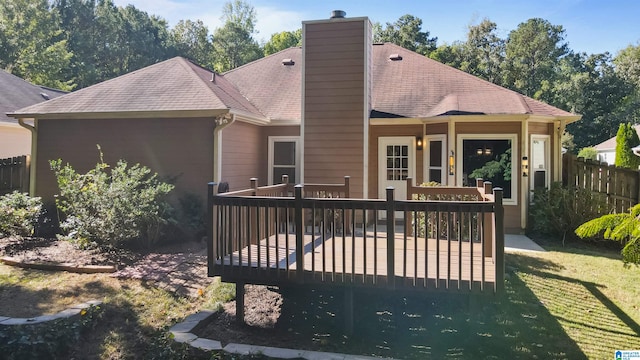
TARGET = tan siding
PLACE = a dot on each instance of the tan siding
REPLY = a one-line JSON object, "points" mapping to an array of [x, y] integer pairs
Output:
{"points": [[390, 130], [334, 103], [433, 129], [488, 128], [240, 154], [180, 149], [540, 128]]}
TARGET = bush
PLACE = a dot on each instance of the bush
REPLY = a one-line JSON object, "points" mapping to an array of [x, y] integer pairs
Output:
{"points": [[589, 153], [18, 214], [560, 210], [126, 205]]}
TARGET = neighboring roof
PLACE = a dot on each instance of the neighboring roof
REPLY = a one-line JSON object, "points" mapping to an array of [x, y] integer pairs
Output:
{"points": [[270, 89], [610, 145], [172, 85], [16, 93]]}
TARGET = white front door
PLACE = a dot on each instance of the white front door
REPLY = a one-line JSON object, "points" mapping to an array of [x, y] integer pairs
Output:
{"points": [[396, 162]]}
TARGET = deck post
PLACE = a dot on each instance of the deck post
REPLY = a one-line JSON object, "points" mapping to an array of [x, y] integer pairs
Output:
{"points": [[254, 186], [391, 222], [240, 303], [299, 233], [488, 231], [348, 310], [498, 248], [212, 189]]}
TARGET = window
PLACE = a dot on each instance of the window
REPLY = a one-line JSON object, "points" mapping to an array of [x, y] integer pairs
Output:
{"points": [[435, 159], [397, 162], [539, 162], [283, 159], [491, 158]]}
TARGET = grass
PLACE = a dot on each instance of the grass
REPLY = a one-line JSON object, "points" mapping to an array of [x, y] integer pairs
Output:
{"points": [[568, 303]]}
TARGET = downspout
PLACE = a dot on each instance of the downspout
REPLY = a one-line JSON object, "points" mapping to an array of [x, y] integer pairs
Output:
{"points": [[221, 122], [34, 153]]}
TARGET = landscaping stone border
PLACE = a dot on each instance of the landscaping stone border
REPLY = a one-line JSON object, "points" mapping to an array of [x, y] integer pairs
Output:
{"points": [[82, 269], [64, 314], [182, 332]]}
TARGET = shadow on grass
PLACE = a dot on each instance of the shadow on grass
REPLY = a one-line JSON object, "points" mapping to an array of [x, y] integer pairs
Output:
{"points": [[514, 325]]}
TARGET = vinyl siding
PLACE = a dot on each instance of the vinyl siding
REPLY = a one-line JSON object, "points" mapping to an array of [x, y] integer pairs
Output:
{"points": [[391, 130], [177, 149], [335, 111], [240, 154]]}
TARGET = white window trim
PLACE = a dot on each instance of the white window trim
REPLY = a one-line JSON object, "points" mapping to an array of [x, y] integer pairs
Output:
{"points": [[427, 157], [515, 160], [274, 139], [547, 159]]}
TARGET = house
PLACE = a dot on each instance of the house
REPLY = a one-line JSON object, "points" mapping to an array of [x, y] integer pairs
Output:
{"points": [[607, 149], [340, 105], [16, 93]]}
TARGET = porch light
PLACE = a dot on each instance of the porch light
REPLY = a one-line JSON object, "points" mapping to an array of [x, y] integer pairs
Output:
{"points": [[452, 162], [525, 166], [418, 142]]}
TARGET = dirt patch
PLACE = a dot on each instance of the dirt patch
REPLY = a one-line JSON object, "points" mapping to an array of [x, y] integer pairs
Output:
{"points": [[53, 251]]}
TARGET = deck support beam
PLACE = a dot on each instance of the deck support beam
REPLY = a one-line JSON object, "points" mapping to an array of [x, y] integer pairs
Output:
{"points": [[240, 302], [348, 310]]}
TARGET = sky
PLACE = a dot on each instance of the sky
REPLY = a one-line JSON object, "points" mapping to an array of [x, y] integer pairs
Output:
{"points": [[591, 26]]}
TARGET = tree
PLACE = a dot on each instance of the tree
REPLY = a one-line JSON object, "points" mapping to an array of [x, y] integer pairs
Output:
{"points": [[406, 32], [623, 227], [31, 44], [191, 40], [283, 40], [233, 43], [484, 52], [626, 139], [590, 86], [533, 51], [627, 63]]}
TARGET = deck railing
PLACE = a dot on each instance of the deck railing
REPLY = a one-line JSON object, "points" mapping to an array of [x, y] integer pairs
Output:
{"points": [[316, 234]]}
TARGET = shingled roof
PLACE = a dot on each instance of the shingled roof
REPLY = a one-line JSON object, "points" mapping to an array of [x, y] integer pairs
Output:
{"points": [[175, 85], [16, 93], [411, 86]]}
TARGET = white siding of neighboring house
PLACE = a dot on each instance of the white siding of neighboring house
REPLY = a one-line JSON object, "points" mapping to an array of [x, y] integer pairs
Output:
{"points": [[608, 156], [14, 140]]}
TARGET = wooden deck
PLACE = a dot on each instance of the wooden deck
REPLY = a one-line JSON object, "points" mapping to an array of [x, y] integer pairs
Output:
{"points": [[362, 260]]}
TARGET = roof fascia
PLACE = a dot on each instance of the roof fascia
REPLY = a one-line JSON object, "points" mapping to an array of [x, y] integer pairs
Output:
{"points": [[122, 114]]}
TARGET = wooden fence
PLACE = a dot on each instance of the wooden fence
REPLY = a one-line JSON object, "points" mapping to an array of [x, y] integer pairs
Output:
{"points": [[14, 174], [620, 187]]}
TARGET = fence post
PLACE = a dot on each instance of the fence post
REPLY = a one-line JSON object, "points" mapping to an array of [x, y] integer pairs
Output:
{"points": [[211, 254], [498, 248], [391, 222], [299, 234]]}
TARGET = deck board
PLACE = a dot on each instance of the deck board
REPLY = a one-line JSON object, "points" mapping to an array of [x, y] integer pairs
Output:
{"points": [[365, 256]]}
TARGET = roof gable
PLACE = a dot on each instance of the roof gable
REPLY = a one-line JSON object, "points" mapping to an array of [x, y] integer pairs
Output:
{"points": [[172, 85]]}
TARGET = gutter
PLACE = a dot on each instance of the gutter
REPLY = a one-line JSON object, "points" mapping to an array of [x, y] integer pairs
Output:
{"points": [[34, 154], [222, 122]]}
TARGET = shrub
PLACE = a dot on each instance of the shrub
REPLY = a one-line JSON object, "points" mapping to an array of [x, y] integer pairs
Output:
{"points": [[624, 227], [560, 210], [627, 138], [18, 214], [126, 205], [589, 153]]}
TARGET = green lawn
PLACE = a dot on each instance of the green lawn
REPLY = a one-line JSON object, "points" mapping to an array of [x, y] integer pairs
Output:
{"points": [[567, 303]]}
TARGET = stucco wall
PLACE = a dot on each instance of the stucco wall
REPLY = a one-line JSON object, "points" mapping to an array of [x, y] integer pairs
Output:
{"points": [[14, 140]]}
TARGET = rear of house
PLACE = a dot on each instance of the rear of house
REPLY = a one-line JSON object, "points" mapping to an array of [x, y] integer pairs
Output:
{"points": [[339, 106]]}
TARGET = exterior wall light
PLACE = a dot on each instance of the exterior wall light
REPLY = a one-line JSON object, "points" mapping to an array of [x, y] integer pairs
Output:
{"points": [[452, 163], [419, 143], [525, 166]]}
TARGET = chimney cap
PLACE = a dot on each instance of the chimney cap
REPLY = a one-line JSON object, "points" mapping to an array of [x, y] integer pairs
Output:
{"points": [[338, 14]]}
